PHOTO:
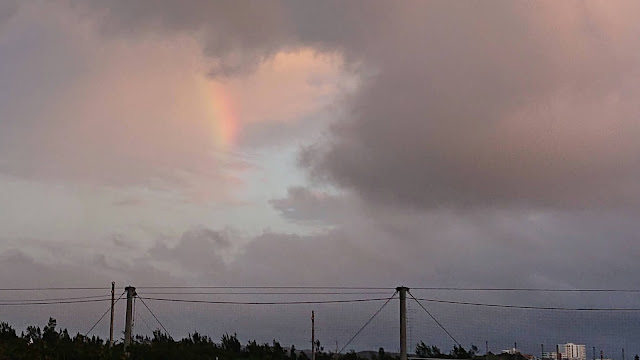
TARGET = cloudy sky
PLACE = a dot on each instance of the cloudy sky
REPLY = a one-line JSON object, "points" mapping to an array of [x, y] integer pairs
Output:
{"points": [[335, 143]]}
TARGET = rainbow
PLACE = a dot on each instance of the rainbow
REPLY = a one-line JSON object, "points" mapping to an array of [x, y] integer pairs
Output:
{"points": [[221, 113]]}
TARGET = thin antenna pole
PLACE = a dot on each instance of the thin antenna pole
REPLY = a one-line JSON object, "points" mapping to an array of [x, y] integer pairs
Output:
{"points": [[113, 301], [313, 335]]}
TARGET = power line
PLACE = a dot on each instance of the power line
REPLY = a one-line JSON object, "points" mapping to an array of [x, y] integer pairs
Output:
{"points": [[526, 307], [53, 288], [525, 289], [367, 323], [268, 302], [103, 315], [435, 288], [145, 322], [54, 302], [267, 287], [154, 316], [267, 293], [434, 319], [54, 299]]}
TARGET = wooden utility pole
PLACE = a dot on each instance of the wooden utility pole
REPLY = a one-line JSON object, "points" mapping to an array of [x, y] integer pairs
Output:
{"points": [[313, 335], [403, 321], [131, 292], [113, 300]]}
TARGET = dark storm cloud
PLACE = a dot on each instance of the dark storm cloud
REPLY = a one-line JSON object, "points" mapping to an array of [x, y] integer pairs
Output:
{"points": [[236, 34], [477, 105]]}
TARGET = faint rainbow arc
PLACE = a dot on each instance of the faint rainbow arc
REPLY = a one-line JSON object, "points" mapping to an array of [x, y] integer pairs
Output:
{"points": [[222, 115]]}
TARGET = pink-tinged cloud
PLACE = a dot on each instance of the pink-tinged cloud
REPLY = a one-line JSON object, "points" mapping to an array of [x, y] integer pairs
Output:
{"points": [[142, 110]]}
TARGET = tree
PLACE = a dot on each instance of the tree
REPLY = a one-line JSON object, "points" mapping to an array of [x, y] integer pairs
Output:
{"points": [[423, 350], [7, 332], [231, 343], [459, 352], [636, 357], [33, 334]]}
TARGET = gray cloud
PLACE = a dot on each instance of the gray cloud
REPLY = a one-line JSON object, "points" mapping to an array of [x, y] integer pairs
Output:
{"points": [[7, 10], [463, 249], [509, 104], [237, 35], [493, 108], [305, 205], [198, 251]]}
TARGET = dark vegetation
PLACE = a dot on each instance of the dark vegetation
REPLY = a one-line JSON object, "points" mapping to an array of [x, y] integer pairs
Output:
{"points": [[458, 352], [50, 343]]}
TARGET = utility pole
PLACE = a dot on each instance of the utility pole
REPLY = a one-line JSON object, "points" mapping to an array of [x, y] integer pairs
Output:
{"points": [[594, 353], [403, 321], [601, 355], [622, 353], [313, 335], [486, 347], [558, 356], [515, 347], [541, 351], [131, 292], [113, 300]]}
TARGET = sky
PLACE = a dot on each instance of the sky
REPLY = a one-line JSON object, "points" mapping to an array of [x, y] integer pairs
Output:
{"points": [[305, 143]]}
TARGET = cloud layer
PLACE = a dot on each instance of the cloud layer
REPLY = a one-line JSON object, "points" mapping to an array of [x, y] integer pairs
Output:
{"points": [[463, 113]]}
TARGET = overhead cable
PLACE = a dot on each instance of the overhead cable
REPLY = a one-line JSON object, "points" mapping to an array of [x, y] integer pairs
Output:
{"points": [[103, 315], [154, 315], [527, 307], [367, 323], [53, 302], [434, 319], [267, 302]]}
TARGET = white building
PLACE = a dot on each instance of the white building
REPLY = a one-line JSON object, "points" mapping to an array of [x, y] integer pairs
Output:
{"points": [[571, 351], [511, 351], [568, 351]]}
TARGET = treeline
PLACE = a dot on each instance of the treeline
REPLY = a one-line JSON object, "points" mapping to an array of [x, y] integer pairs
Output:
{"points": [[458, 352], [50, 343]]}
